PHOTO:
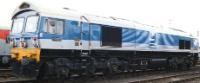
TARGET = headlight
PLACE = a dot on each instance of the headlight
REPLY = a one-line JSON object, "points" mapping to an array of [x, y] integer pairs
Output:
{"points": [[13, 43], [35, 42], [23, 44]]}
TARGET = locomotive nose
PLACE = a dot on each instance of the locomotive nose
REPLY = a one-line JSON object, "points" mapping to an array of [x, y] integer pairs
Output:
{"points": [[24, 61], [19, 53]]}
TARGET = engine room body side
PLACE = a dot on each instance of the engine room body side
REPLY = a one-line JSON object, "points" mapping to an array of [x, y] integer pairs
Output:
{"points": [[97, 37]]}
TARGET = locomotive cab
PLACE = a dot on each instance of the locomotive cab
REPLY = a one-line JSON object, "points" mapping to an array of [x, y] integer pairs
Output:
{"points": [[24, 35], [32, 26], [24, 39]]}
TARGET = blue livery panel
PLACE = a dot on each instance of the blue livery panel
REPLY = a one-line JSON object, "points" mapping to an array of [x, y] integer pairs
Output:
{"points": [[130, 36]]}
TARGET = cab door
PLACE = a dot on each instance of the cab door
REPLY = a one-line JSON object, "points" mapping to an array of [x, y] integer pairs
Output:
{"points": [[85, 35]]}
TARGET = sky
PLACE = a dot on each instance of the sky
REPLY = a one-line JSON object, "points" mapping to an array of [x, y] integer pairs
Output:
{"points": [[180, 14]]}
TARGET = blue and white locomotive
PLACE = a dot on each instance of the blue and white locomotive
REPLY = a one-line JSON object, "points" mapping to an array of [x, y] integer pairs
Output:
{"points": [[60, 42]]}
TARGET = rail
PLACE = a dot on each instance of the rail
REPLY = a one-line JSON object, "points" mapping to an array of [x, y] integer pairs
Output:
{"points": [[176, 78]]}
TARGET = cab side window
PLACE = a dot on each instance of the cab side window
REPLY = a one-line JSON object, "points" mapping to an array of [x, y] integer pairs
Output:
{"points": [[54, 26], [184, 44]]}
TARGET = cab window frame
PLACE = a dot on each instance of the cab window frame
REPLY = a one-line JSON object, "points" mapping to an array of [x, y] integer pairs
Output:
{"points": [[185, 44], [38, 23], [46, 26], [24, 20]]}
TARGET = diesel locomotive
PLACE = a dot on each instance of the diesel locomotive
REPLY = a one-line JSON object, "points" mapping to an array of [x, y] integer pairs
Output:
{"points": [[60, 42]]}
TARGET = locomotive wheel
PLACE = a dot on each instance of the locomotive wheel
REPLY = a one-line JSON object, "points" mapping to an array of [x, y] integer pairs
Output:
{"points": [[172, 64], [62, 69], [62, 72], [114, 65], [91, 69], [183, 65], [28, 67], [188, 63], [125, 66], [15, 65], [29, 70], [46, 70]]}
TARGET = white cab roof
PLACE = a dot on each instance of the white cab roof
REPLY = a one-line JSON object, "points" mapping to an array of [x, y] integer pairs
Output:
{"points": [[64, 13]]}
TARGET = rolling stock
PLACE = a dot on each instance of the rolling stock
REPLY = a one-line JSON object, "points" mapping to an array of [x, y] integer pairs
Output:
{"points": [[4, 47], [60, 42]]}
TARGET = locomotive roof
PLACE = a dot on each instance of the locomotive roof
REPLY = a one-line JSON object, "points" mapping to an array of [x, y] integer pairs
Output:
{"points": [[65, 13]]}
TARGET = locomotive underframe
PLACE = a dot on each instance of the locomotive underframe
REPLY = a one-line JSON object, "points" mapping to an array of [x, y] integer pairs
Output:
{"points": [[67, 62]]}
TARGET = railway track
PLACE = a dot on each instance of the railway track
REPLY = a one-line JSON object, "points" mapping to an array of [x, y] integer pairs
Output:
{"points": [[148, 76], [6, 76], [136, 77], [144, 77], [176, 78]]}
